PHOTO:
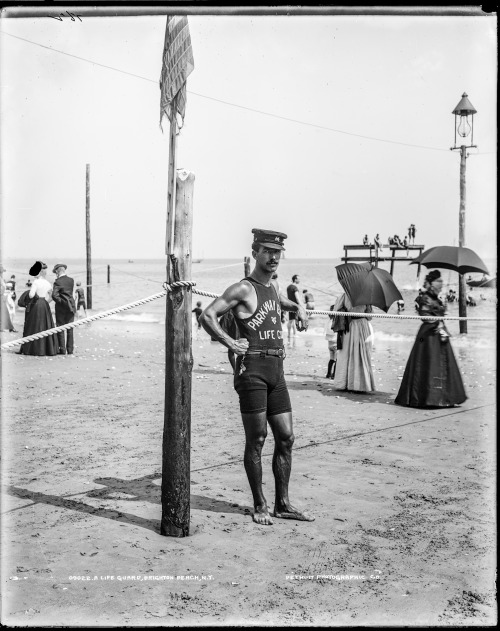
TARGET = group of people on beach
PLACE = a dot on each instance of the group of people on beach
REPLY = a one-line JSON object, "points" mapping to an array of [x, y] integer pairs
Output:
{"points": [[247, 320], [68, 298], [254, 339]]}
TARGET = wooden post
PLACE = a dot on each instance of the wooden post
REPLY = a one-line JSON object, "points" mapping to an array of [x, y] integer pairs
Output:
{"points": [[171, 184], [462, 288], [109, 274], [87, 226], [246, 266], [392, 262], [175, 490]]}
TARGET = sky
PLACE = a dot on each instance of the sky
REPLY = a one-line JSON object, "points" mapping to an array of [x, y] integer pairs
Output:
{"points": [[321, 127]]}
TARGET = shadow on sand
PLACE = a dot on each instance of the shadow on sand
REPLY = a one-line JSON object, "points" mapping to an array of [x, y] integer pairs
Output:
{"points": [[327, 388], [138, 490]]}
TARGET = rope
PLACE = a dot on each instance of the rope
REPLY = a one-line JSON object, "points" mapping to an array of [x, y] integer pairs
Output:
{"points": [[371, 315], [353, 314], [97, 316], [190, 285]]}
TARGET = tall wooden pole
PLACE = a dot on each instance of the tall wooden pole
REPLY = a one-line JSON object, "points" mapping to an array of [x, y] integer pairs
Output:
{"points": [[87, 226], [462, 288], [175, 490], [246, 266], [172, 148]]}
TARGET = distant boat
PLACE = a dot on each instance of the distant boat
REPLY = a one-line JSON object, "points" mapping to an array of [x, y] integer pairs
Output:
{"points": [[130, 261], [197, 260], [483, 282]]}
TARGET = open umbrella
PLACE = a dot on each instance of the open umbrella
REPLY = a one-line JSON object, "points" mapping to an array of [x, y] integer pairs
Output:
{"points": [[367, 285], [455, 258]]}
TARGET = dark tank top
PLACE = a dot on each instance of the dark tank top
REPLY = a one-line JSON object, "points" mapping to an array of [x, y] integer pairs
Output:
{"points": [[263, 328], [290, 292]]}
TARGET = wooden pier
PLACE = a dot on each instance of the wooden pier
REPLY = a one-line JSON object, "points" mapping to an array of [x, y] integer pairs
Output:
{"points": [[376, 254]]}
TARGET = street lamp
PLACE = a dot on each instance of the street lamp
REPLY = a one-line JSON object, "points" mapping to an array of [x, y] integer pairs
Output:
{"points": [[464, 126]]}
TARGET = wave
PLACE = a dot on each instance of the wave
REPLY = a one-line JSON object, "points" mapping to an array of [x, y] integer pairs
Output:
{"points": [[380, 336], [411, 287], [468, 342], [147, 318]]}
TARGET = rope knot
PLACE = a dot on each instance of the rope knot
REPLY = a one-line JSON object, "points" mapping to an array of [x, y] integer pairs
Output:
{"points": [[178, 283]]}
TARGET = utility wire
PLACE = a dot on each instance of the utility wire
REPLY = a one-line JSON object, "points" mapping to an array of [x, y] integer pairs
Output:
{"points": [[243, 107]]}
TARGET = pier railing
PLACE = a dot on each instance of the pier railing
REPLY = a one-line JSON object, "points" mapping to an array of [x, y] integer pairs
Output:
{"points": [[376, 254]]}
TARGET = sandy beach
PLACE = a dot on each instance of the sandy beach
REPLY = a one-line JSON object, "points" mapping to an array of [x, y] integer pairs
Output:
{"points": [[404, 499]]}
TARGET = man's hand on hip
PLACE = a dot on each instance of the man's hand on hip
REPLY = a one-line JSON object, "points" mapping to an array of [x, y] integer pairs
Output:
{"points": [[240, 346]]}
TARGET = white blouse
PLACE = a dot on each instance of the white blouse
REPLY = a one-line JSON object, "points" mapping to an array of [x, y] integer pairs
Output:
{"points": [[42, 288]]}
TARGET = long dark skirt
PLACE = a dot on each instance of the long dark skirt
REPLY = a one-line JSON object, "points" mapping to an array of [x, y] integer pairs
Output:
{"points": [[39, 318], [431, 377]]}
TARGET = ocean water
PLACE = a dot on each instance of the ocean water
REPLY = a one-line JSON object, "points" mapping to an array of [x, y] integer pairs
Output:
{"points": [[132, 281]]}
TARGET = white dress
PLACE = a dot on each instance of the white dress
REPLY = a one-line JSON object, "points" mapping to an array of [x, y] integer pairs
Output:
{"points": [[354, 360]]}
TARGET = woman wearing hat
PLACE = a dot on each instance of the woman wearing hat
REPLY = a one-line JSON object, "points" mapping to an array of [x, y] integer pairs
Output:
{"points": [[38, 315], [431, 377]]}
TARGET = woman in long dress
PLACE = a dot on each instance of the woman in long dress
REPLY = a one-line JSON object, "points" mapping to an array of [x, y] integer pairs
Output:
{"points": [[6, 323], [38, 315], [354, 360], [432, 377]]}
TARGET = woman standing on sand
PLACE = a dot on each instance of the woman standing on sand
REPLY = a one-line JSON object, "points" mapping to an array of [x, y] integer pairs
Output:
{"points": [[38, 315], [5, 319], [354, 359], [431, 377]]}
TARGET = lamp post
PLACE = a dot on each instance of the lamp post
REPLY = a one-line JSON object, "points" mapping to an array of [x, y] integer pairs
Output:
{"points": [[463, 128]]}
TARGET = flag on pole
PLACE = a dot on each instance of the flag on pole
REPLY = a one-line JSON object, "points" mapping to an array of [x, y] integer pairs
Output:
{"points": [[177, 65]]}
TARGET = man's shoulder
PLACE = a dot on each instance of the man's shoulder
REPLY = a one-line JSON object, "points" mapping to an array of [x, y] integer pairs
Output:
{"points": [[242, 287]]}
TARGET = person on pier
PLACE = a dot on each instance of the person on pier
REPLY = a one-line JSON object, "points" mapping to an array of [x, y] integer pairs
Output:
{"points": [[259, 380]]}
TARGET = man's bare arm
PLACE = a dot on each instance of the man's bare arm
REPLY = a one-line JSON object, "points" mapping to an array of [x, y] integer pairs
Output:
{"points": [[209, 318], [289, 305]]}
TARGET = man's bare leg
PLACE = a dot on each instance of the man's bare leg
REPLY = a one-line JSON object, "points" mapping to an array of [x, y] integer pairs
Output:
{"points": [[282, 427], [256, 431]]}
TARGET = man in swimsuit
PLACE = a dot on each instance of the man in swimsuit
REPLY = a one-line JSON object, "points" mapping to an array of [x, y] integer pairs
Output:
{"points": [[292, 292], [256, 303]]}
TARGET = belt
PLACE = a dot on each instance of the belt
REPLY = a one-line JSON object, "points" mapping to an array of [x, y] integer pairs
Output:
{"points": [[276, 352]]}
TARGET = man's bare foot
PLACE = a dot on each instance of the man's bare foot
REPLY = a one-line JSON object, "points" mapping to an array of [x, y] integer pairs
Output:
{"points": [[261, 516], [289, 512]]}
